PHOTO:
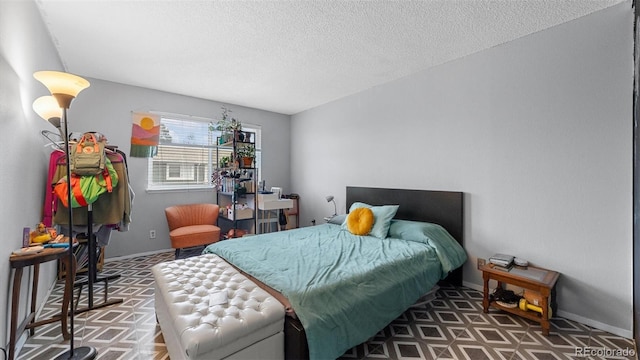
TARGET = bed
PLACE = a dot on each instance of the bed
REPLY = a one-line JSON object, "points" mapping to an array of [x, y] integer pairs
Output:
{"points": [[340, 289]]}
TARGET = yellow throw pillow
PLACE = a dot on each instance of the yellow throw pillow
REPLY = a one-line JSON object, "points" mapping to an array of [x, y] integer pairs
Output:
{"points": [[360, 221]]}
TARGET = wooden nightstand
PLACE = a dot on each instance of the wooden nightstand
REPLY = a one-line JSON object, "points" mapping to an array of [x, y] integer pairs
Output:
{"points": [[533, 278]]}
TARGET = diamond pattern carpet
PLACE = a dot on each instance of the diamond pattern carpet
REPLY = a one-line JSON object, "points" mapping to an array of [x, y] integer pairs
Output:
{"points": [[452, 326]]}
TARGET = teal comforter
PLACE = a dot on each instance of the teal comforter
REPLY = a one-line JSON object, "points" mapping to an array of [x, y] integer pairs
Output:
{"points": [[345, 288]]}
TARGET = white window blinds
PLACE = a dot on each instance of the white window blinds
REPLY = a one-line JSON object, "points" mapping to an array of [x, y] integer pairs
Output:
{"points": [[188, 153]]}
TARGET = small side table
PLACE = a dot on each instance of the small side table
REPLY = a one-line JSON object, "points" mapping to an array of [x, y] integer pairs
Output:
{"points": [[268, 207], [533, 278], [19, 262]]}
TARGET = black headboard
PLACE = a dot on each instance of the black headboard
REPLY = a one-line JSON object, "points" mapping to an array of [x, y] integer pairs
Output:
{"points": [[444, 208]]}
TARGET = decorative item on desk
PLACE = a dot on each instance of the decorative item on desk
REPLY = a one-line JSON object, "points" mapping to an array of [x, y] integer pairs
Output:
{"points": [[64, 88], [40, 235], [26, 236]]}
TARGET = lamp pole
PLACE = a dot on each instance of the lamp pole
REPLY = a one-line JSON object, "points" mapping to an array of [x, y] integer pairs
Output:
{"points": [[84, 352], [64, 88]]}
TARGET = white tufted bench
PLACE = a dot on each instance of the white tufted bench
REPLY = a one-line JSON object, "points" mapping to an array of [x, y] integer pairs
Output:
{"points": [[208, 310]]}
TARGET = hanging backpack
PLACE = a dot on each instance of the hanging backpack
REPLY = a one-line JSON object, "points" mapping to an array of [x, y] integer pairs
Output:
{"points": [[87, 156], [86, 190]]}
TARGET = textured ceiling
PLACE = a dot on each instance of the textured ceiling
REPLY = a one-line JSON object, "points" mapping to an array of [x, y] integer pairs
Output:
{"points": [[285, 56]]}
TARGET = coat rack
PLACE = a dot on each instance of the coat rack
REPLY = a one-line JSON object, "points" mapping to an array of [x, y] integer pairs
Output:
{"points": [[92, 272], [92, 266]]}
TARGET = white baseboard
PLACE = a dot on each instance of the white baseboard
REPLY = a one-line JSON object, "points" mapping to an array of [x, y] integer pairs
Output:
{"points": [[472, 286], [577, 318], [596, 324]]}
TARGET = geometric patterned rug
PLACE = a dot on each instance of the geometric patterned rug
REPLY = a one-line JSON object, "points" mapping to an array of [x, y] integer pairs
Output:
{"points": [[452, 326]]}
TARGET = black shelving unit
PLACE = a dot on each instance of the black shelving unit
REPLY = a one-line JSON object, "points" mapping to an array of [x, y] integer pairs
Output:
{"points": [[236, 195]]}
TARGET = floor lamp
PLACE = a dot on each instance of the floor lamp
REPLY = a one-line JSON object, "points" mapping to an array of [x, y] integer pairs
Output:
{"points": [[64, 88]]}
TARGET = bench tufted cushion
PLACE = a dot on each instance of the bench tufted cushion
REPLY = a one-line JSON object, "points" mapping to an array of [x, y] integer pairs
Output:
{"points": [[214, 309]]}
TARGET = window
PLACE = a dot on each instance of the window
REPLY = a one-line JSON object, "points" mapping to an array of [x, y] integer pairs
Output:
{"points": [[178, 171], [188, 153]]}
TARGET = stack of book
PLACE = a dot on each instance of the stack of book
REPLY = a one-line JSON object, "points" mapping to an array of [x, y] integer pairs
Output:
{"points": [[501, 262]]}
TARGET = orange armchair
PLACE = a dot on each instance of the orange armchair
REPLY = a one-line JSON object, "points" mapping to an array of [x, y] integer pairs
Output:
{"points": [[192, 225]]}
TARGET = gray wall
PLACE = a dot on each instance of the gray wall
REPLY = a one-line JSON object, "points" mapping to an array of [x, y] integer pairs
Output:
{"points": [[537, 133], [106, 107], [25, 47]]}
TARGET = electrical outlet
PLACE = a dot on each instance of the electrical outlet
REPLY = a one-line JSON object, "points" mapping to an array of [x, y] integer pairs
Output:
{"points": [[152, 234], [481, 262]]}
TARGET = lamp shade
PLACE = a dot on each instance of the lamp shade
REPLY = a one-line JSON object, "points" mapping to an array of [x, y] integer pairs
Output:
{"points": [[329, 198], [63, 86], [47, 108]]}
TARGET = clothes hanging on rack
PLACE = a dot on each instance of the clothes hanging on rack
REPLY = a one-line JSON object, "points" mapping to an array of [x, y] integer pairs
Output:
{"points": [[132, 195], [112, 208], [50, 201], [110, 211]]}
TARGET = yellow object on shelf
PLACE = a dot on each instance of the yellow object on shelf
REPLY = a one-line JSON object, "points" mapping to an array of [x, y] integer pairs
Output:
{"points": [[40, 235], [525, 306]]}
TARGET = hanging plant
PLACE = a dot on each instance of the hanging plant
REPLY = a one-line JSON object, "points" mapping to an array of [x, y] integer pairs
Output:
{"points": [[217, 178]]}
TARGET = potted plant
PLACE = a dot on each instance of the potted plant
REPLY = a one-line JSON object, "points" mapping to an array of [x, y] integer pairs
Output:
{"points": [[246, 154], [227, 125], [224, 161]]}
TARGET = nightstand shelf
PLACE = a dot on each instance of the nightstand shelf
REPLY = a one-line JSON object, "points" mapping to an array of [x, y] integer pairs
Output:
{"points": [[533, 278]]}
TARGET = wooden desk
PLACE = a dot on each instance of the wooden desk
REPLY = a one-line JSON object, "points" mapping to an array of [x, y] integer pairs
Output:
{"points": [[19, 262], [533, 278]]}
